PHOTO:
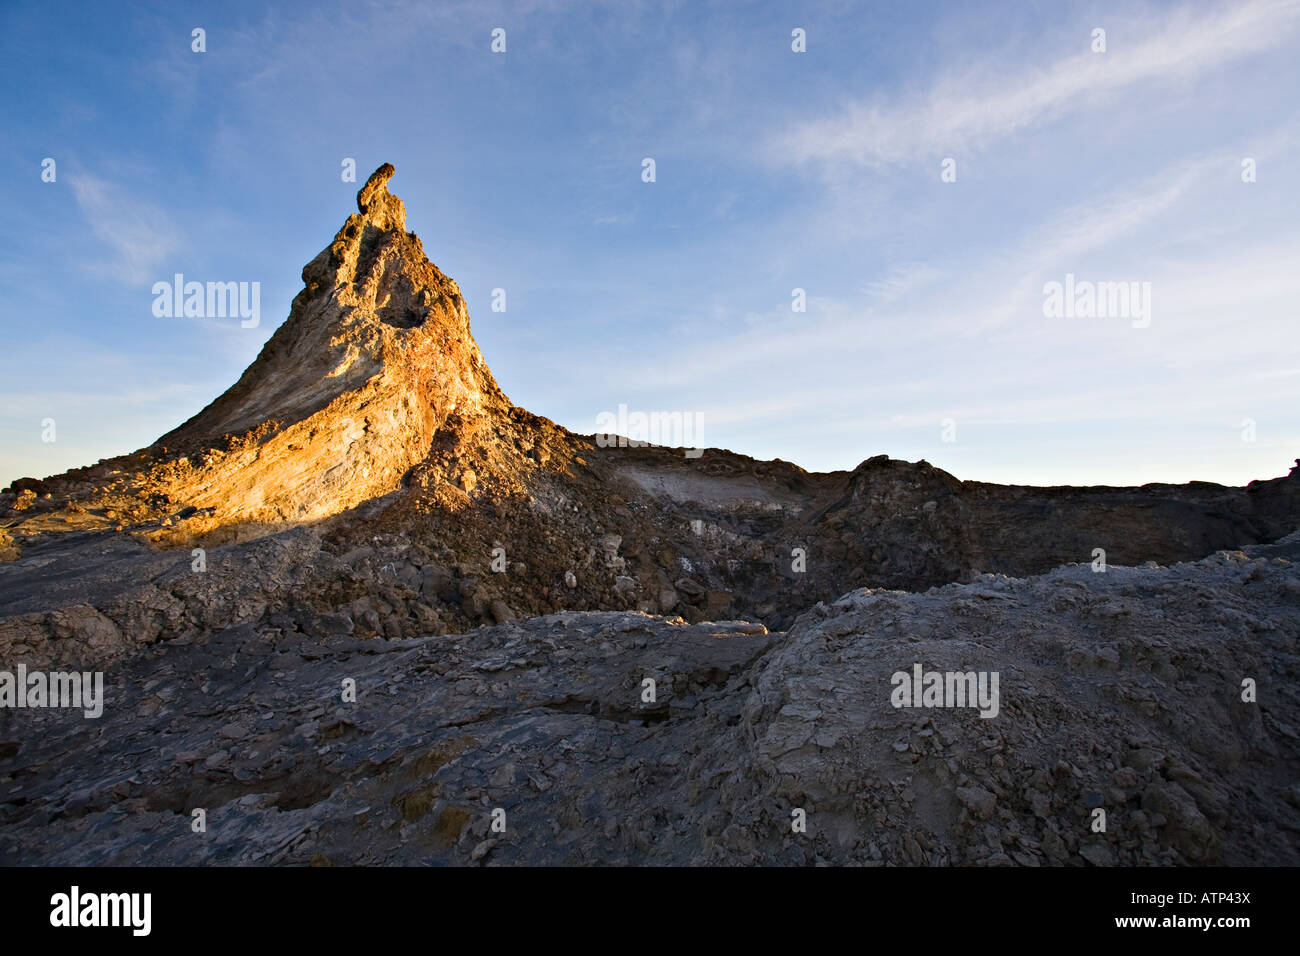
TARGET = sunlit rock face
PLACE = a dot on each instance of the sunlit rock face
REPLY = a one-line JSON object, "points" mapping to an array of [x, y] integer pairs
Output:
{"points": [[346, 397]]}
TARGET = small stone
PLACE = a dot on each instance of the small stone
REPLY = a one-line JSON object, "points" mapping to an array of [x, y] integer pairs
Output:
{"points": [[977, 800], [1098, 854]]}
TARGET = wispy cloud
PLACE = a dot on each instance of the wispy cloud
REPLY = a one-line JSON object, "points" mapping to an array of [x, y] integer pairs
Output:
{"points": [[1059, 245], [140, 234], [986, 103], [902, 281]]}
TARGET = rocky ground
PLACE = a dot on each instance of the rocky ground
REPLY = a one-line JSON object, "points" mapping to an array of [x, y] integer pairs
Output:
{"points": [[366, 503], [1119, 691]]}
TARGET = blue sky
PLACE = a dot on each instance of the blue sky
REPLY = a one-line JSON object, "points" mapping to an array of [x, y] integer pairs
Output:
{"points": [[775, 170]]}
